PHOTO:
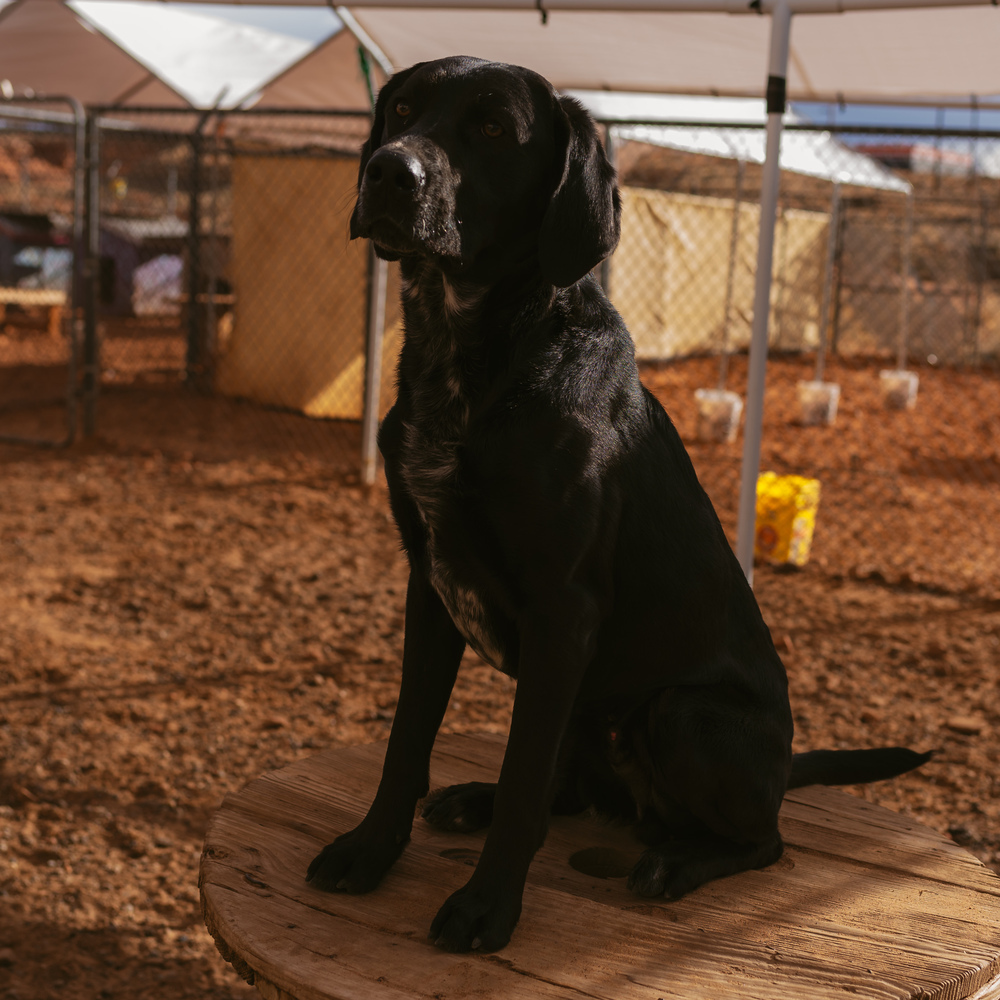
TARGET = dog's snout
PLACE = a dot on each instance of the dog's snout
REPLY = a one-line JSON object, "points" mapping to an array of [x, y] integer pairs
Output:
{"points": [[395, 169]]}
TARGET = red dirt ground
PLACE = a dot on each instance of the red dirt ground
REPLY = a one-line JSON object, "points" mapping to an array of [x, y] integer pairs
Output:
{"points": [[205, 592]]}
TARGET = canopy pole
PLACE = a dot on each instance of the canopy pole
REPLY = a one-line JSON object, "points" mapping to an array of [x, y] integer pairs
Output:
{"points": [[734, 239], [902, 351], [781, 23], [378, 277]]}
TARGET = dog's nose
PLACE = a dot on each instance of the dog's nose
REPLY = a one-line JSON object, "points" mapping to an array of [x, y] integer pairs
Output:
{"points": [[395, 169]]}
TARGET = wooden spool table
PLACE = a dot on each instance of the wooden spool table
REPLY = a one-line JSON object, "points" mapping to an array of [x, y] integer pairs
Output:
{"points": [[864, 903]]}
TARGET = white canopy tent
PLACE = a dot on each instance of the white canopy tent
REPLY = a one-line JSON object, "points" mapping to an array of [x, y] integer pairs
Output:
{"points": [[881, 51], [327, 77], [715, 130], [127, 54], [926, 48], [209, 61], [45, 48]]}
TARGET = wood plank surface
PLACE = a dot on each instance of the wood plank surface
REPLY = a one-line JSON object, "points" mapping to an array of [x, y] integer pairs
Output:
{"points": [[864, 903]]}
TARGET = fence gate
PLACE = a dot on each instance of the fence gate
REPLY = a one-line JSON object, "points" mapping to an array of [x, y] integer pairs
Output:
{"points": [[42, 191]]}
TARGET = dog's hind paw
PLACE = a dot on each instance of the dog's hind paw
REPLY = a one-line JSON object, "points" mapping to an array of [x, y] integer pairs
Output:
{"points": [[674, 869], [460, 808], [649, 875], [660, 872], [353, 863]]}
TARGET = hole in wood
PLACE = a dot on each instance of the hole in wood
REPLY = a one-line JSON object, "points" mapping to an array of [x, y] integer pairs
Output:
{"points": [[463, 855]]}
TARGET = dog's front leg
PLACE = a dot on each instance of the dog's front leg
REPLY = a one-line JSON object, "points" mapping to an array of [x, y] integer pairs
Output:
{"points": [[555, 650], [432, 650]]}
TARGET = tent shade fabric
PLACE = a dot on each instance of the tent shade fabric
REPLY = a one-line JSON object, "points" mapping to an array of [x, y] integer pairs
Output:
{"points": [[858, 55], [47, 49], [814, 153], [208, 60], [882, 55], [130, 54], [328, 77]]}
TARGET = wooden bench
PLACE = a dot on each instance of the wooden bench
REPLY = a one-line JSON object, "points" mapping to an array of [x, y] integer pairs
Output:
{"points": [[864, 903], [38, 298]]}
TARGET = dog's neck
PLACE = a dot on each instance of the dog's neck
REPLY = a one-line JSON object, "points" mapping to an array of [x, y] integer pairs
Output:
{"points": [[444, 303], [462, 335]]}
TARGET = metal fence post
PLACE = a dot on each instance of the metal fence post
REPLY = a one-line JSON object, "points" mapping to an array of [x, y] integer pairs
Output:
{"points": [[194, 362], [904, 302], [838, 265], [378, 280], [612, 153], [91, 348], [828, 267], [734, 239]]}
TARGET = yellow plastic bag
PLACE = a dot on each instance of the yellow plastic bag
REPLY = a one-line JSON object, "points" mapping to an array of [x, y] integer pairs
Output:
{"points": [[786, 518]]}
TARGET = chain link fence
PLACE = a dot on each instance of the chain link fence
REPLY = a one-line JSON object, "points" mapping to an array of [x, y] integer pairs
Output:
{"points": [[904, 263], [885, 296], [945, 246], [221, 307], [229, 289]]}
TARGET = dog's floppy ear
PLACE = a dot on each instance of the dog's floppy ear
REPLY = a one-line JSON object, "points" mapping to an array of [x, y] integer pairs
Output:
{"points": [[583, 221], [378, 125]]}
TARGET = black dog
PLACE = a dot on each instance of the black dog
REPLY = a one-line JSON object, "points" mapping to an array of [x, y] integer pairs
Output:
{"points": [[553, 522]]}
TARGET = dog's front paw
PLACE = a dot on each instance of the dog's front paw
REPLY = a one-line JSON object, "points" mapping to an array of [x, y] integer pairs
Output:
{"points": [[355, 862], [475, 920], [460, 808]]}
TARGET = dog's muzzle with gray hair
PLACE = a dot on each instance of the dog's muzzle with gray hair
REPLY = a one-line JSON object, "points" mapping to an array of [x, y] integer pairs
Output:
{"points": [[406, 201]]}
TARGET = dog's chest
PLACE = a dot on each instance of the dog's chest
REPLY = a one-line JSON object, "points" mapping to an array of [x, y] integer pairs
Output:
{"points": [[430, 459]]}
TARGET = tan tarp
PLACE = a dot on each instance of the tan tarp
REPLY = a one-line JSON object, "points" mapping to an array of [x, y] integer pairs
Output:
{"points": [[669, 274], [298, 336]]}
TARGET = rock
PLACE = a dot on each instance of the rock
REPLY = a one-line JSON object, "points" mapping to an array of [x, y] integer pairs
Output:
{"points": [[967, 725]]}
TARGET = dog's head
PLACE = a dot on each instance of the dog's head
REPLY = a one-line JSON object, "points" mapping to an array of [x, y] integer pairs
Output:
{"points": [[477, 165]]}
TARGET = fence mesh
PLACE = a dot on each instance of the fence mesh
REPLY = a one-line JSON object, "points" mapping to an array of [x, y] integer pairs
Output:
{"points": [[906, 263], [885, 289], [229, 289]]}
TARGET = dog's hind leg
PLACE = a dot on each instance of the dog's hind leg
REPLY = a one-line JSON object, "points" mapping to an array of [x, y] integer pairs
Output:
{"points": [[584, 778], [716, 772], [460, 808]]}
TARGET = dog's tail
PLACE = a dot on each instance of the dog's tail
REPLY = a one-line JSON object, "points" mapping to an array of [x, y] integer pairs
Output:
{"points": [[853, 767]]}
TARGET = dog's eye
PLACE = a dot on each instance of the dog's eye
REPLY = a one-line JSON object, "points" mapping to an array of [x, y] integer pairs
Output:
{"points": [[492, 130], [403, 109]]}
